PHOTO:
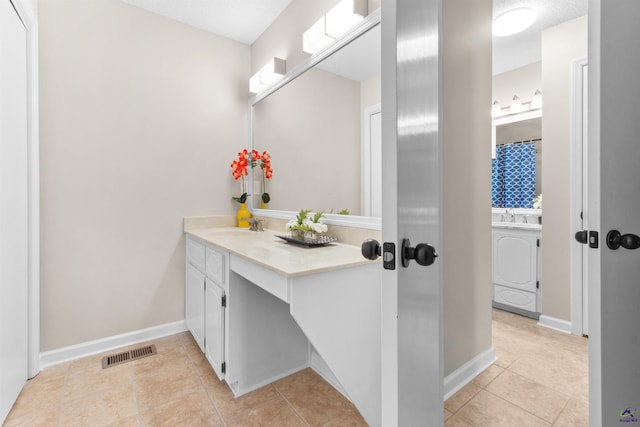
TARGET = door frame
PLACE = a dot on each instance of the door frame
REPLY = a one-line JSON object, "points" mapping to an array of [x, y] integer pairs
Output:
{"points": [[27, 14], [579, 196]]}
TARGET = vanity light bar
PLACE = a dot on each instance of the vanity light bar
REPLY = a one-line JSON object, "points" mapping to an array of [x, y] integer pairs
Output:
{"points": [[270, 73], [336, 22], [517, 106], [536, 101]]}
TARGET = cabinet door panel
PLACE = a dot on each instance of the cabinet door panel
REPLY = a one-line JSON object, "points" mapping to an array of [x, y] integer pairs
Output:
{"points": [[515, 259], [215, 327], [515, 297], [215, 266], [194, 304]]}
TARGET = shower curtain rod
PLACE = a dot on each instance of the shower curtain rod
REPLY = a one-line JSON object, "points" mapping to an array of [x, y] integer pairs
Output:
{"points": [[522, 142]]}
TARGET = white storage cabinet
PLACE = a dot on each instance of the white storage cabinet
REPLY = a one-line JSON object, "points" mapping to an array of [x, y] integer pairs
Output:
{"points": [[516, 269], [206, 286]]}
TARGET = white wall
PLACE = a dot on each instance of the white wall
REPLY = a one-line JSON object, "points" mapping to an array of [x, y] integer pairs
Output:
{"points": [[140, 119], [467, 180], [561, 45]]}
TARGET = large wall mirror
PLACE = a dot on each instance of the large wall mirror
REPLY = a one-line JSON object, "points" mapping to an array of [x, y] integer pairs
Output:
{"points": [[321, 126], [516, 177]]}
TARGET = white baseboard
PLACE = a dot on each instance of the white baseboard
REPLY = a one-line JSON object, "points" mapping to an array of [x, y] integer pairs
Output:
{"points": [[465, 373], [89, 348], [553, 323]]}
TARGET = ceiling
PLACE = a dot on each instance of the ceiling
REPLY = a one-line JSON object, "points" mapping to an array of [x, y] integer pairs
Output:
{"points": [[240, 20], [246, 20], [524, 48]]}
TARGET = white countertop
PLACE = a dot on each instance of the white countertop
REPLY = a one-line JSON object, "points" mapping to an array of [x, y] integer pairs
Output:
{"points": [[290, 260]]}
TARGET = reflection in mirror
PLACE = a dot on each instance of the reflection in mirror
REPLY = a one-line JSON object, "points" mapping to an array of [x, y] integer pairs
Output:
{"points": [[516, 168], [314, 129]]}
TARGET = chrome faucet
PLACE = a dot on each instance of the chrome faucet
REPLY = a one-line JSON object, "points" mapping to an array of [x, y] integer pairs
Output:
{"points": [[255, 224]]}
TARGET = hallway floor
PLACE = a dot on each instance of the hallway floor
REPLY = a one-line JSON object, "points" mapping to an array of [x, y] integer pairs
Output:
{"points": [[540, 379]]}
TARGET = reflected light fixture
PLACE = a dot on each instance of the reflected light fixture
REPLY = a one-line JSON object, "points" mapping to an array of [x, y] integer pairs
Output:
{"points": [[333, 24], [513, 21], [496, 110], [536, 101], [516, 105], [316, 37], [270, 73]]}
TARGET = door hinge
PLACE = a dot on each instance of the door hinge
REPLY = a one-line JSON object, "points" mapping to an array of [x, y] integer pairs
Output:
{"points": [[538, 242], [537, 284], [224, 300], [223, 367]]}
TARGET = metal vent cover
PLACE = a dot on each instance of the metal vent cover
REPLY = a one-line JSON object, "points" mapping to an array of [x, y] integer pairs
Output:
{"points": [[128, 356]]}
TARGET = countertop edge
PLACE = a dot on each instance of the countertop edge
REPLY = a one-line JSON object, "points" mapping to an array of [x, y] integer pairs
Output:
{"points": [[199, 233]]}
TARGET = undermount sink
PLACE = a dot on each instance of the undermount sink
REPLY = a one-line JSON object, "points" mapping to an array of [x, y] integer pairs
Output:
{"points": [[516, 225]]}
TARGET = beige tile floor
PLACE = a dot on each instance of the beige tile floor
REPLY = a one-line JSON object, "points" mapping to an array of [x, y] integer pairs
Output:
{"points": [[540, 379]]}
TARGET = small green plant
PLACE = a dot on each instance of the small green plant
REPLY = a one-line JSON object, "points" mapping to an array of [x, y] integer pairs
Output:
{"points": [[241, 199], [306, 220], [344, 212], [266, 198]]}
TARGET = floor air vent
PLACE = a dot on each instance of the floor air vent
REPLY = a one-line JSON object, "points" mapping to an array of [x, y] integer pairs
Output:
{"points": [[128, 356]]}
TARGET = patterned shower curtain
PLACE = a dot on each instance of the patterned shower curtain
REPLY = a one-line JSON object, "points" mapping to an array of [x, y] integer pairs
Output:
{"points": [[513, 176]]}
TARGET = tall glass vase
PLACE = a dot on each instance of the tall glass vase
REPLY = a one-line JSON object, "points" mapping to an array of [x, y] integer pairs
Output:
{"points": [[263, 190], [243, 185]]}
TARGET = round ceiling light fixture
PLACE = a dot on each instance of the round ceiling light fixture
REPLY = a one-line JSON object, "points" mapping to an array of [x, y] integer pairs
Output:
{"points": [[513, 21]]}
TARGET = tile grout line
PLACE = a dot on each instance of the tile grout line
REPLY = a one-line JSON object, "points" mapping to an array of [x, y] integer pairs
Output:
{"points": [[201, 380], [134, 385], [62, 394], [293, 408], [520, 407]]}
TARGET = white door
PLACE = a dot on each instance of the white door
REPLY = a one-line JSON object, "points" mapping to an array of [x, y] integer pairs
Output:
{"points": [[13, 208], [614, 204], [373, 161], [412, 371]]}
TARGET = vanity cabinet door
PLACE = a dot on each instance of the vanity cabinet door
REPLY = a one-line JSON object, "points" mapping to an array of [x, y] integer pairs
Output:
{"points": [[195, 304], [214, 344], [515, 259]]}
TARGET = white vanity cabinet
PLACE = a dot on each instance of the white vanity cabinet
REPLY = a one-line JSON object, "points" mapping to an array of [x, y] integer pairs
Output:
{"points": [[205, 300], [287, 308], [516, 269]]}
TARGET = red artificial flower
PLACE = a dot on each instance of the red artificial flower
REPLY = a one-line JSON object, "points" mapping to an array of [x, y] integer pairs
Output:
{"points": [[240, 167]]}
